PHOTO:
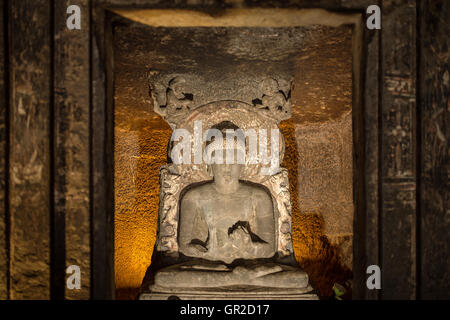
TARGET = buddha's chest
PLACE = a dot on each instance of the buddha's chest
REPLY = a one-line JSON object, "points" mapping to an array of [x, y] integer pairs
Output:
{"points": [[224, 213]]}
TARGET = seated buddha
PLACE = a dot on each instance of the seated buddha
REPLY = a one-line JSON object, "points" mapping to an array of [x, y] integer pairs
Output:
{"points": [[227, 232]]}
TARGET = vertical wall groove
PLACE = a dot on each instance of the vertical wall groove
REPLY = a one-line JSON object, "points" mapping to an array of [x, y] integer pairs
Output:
{"points": [[369, 234], [101, 152], [57, 226]]}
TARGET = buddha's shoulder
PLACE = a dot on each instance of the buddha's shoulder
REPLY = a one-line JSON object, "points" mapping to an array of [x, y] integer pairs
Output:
{"points": [[198, 192]]}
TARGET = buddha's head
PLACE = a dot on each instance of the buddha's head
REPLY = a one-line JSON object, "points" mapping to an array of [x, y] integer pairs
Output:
{"points": [[227, 161]]}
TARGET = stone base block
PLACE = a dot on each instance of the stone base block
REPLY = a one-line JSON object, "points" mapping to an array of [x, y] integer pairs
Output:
{"points": [[230, 293]]}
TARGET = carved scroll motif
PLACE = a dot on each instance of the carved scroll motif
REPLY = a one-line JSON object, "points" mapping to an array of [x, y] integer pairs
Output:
{"points": [[170, 188], [171, 185], [175, 96], [278, 185]]}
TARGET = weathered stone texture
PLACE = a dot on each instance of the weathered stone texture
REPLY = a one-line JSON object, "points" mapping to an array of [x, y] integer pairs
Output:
{"points": [[325, 173], [3, 170], [142, 137], [325, 178], [398, 151], [434, 44]]}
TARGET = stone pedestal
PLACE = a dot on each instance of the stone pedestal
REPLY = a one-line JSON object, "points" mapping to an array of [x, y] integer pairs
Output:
{"points": [[247, 281], [231, 293]]}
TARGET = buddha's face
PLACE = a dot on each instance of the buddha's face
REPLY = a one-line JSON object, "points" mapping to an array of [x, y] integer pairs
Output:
{"points": [[226, 174], [270, 86]]}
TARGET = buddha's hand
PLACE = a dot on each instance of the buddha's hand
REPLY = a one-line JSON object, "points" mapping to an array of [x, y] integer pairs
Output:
{"points": [[198, 246], [240, 236]]}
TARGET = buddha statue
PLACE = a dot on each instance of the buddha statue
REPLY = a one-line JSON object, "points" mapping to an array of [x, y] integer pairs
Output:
{"points": [[227, 236]]}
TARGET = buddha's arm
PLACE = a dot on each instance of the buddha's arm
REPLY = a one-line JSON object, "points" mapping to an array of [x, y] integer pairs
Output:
{"points": [[264, 226], [192, 237]]}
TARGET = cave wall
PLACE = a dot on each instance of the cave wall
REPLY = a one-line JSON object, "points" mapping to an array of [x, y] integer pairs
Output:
{"points": [[318, 137], [56, 147]]}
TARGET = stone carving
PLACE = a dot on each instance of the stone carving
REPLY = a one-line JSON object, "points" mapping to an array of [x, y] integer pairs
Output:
{"points": [[170, 188], [223, 221], [399, 139], [175, 178], [207, 275], [224, 230], [274, 100], [173, 101], [171, 185], [226, 219], [176, 99], [279, 185], [176, 95]]}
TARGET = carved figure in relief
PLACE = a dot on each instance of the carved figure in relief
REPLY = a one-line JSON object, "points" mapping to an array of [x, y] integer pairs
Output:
{"points": [[273, 98]]}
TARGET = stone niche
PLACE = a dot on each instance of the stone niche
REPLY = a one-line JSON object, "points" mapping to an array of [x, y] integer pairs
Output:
{"points": [[213, 70]]}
